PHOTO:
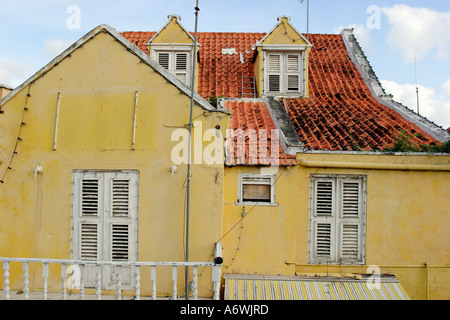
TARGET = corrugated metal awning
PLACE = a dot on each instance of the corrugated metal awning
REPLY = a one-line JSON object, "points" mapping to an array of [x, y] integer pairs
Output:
{"points": [[242, 287]]}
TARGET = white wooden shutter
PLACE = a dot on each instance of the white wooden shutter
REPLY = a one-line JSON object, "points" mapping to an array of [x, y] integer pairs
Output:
{"points": [[293, 72], [105, 216], [181, 66], [323, 240], [164, 60], [120, 197], [292, 62], [120, 242], [89, 241], [324, 198], [274, 69], [89, 197], [350, 248], [293, 83], [337, 219], [181, 61], [350, 199]]}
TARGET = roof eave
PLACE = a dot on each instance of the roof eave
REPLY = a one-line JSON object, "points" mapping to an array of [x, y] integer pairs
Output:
{"points": [[130, 47]]}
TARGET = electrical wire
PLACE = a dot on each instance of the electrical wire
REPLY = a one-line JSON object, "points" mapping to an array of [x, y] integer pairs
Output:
{"points": [[19, 138]]}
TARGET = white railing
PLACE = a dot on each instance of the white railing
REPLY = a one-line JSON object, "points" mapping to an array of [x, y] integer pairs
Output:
{"points": [[98, 286]]}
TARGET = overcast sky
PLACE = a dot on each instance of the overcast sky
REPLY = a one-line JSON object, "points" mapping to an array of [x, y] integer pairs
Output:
{"points": [[395, 35]]}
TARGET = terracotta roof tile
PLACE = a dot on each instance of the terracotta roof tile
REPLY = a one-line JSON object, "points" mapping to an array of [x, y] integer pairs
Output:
{"points": [[139, 38], [224, 59], [341, 113], [255, 121]]}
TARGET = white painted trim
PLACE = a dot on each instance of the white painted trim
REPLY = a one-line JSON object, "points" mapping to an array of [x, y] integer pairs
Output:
{"points": [[272, 181]]}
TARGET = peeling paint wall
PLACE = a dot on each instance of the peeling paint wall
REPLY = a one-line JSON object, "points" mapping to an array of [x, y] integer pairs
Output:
{"points": [[97, 84]]}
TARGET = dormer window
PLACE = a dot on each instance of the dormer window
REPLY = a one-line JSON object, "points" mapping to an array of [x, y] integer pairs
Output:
{"points": [[176, 62], [284, 72], [173, 47], [281, 63]]}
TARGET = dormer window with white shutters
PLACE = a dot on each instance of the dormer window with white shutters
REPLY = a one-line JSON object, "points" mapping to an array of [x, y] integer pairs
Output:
{"points": [[337, 219], [176, 62], [284, 73]]}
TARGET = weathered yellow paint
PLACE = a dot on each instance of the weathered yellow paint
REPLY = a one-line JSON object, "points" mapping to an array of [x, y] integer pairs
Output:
{"points": [[173, 32], [407, 222], [284, 34], [97, 83], [267, 233]]}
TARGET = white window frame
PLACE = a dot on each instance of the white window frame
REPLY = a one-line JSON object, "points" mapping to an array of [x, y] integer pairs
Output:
{"points": [[337, 220], [284, 72], [172, 51], [105, 220], [252, 178]]}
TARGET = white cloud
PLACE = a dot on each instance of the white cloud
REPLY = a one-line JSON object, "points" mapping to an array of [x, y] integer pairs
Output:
{"points": [[54, 47], [446, 88], [417, 31], [433, 106], [13, 74], [361, 33]]}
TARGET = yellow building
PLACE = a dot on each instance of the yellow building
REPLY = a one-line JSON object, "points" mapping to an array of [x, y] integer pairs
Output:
{"points": [[291, 168]]}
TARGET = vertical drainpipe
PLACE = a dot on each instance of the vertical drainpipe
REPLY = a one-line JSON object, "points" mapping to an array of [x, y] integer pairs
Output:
{"points": [[186, 275], [427, 266]]}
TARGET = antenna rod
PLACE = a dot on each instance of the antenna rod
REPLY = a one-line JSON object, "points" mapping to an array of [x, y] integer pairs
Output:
{"points": [[417, 87], [194, 58], [307, 18]]}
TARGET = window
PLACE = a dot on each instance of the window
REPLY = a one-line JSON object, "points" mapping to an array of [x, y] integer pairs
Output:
{"points": [[105, 222], [284, 73], [176, 62], [337, 219], [256, 189]]}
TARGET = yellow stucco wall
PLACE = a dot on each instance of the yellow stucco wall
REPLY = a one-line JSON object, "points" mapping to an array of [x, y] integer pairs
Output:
{"points": [[97, 85], [407, 223], [267, 233]]}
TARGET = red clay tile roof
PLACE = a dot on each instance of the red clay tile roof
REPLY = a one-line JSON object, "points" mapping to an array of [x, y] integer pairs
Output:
{"points": [[341, 113], [139, 38], [252, 117], [220, 73]]}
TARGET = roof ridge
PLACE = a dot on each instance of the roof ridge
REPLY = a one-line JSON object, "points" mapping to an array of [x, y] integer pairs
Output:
{"points": [[362, 63]]}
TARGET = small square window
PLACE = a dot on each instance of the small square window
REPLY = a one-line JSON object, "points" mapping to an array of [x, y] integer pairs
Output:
{"points": [[256, 189]]}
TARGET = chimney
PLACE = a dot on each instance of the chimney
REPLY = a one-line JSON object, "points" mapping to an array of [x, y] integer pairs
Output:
{"points": [[4, 90]]}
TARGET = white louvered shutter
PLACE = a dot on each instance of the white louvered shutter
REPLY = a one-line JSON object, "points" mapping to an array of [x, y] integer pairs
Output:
{"points": [[337, 217], [324, 198], [105, 222], [120, 242], [293, 72], [350, 199], [164, 60], [120, 197], [89, 197], [274, 70], [323, 240], [350, 246], [89, 241], [349, 242], [181, 66]]}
